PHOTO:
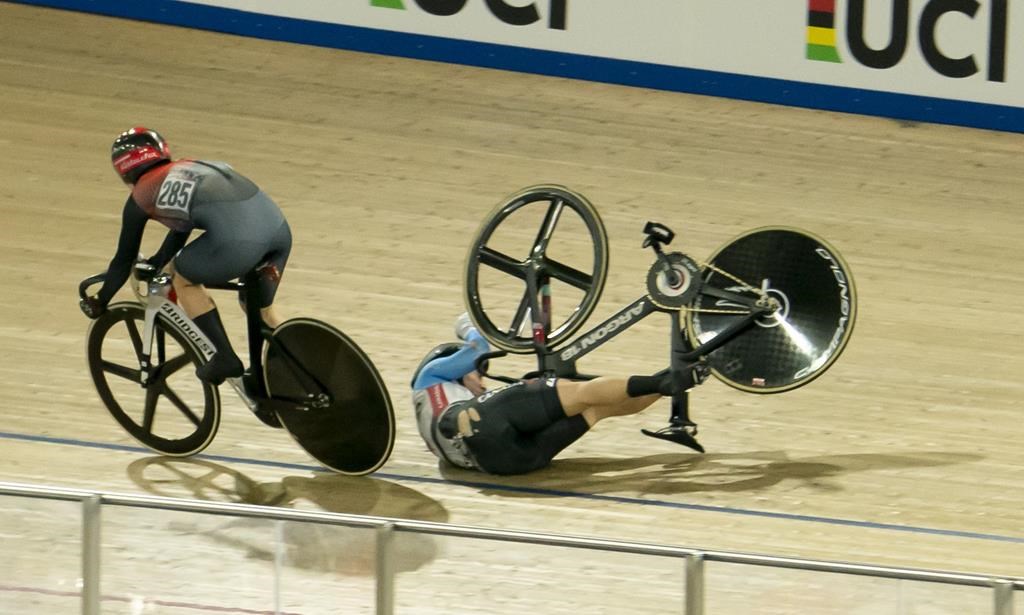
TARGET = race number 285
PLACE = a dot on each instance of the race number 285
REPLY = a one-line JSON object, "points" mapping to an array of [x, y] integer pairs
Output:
{"points": [[175, 194]]}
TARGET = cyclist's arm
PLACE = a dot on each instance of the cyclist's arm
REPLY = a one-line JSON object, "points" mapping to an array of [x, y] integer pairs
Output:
{"points": [[133, 223], [173, 242], [454, 366]]}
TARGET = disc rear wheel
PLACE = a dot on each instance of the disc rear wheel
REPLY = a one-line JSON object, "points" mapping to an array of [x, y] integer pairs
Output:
{"points": [[817, 306], [353, 430]]}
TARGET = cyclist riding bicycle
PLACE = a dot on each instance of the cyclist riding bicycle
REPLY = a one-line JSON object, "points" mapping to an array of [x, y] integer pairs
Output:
{"points": [[243, 230], [520, 427]]}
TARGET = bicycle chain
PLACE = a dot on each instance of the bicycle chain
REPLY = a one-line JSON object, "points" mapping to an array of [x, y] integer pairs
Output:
{"points": [[747, 287]]}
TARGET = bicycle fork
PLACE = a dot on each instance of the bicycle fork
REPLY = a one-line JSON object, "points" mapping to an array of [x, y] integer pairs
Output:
{"points": [[158, 302]]}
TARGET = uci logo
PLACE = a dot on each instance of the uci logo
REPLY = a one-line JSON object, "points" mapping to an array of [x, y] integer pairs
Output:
{"points": [[508, 13], [960, 14]]}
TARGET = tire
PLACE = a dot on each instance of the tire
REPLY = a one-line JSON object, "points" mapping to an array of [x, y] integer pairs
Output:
{"points": [[355, 433], [176, 414], [818, 309], [576, 269]]}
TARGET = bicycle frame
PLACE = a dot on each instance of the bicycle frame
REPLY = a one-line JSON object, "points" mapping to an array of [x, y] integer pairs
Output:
{"points": [[158, 301], [561, 362]]}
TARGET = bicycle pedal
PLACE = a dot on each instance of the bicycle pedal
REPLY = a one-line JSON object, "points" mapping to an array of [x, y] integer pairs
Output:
{"points": [[677, 434]]}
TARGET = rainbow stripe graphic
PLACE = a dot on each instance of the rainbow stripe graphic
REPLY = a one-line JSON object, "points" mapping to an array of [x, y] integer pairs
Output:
{"points": [[821, 31]]}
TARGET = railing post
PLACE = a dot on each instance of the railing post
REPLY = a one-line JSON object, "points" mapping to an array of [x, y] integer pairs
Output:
{"points": [[385, 569], [91, 555], [280, 553], [694, 584], [1002, 597]]}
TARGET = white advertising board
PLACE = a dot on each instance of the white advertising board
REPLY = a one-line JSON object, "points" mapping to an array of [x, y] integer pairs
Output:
{"points": [[971, 50], [950, 61]]}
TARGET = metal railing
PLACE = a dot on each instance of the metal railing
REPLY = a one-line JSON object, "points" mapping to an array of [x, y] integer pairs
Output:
{"points": [[694, 559]]}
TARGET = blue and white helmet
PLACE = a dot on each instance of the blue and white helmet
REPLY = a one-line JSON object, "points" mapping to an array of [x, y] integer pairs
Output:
{"points": [[437, 352]]}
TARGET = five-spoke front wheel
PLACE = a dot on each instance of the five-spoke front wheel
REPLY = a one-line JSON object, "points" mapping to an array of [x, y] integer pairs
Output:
{"points": [[536, 268], [171, 411]]}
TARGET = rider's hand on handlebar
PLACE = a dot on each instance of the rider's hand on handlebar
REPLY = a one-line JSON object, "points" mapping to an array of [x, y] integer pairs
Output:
{"points": [[92, 307]]}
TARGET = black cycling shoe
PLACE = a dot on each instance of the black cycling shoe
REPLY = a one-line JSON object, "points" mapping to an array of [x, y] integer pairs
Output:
{"points": [[219, 368]]}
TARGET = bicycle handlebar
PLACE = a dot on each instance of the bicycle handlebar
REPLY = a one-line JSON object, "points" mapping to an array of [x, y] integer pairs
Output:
{"points": [[89, 281], [141, 270], [481, 365]]}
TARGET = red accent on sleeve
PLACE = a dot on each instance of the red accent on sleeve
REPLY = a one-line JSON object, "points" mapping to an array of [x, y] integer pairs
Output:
{"points": [[438, 400], [823, 6]]}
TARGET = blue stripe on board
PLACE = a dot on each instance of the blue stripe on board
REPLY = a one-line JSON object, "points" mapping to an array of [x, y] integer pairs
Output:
{"points": [[640, 74], [545, 492]]}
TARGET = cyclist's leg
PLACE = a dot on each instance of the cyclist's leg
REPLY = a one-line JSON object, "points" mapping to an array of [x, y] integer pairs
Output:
{"points": [[576, 396], [634, 405], [601, 398], [270, 274], [210, 259], [198, 304], [534, 405], [192, 297], [545, 444], [523, 453], [500, 428], [527, 406], [238, 237], [520, 428]]}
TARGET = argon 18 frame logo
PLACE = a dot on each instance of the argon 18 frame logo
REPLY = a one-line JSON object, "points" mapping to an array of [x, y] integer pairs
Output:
{"points": [[502, 9], [826, 23], [624, 318]]}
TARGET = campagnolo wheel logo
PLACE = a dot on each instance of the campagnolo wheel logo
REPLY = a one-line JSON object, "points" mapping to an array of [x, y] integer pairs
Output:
{"points": [[845, 306]]}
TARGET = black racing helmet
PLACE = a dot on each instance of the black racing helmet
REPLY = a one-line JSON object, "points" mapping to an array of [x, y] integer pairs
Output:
{"points": [[136, 151]]}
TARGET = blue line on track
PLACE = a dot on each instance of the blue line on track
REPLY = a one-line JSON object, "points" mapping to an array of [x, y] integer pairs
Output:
{"points": [[546, 492]]}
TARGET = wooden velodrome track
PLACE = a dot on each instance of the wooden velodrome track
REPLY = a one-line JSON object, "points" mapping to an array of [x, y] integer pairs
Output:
{"points": [[907, 452]]}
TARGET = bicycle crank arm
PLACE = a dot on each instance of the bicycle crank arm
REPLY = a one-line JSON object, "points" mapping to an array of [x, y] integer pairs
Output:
{"points": [[239, 387], [736, 299], [297, 404]]}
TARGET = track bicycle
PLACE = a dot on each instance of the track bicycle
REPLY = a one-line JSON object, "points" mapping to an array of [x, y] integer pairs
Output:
{"points": [[305, 376], [768, 312]]}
